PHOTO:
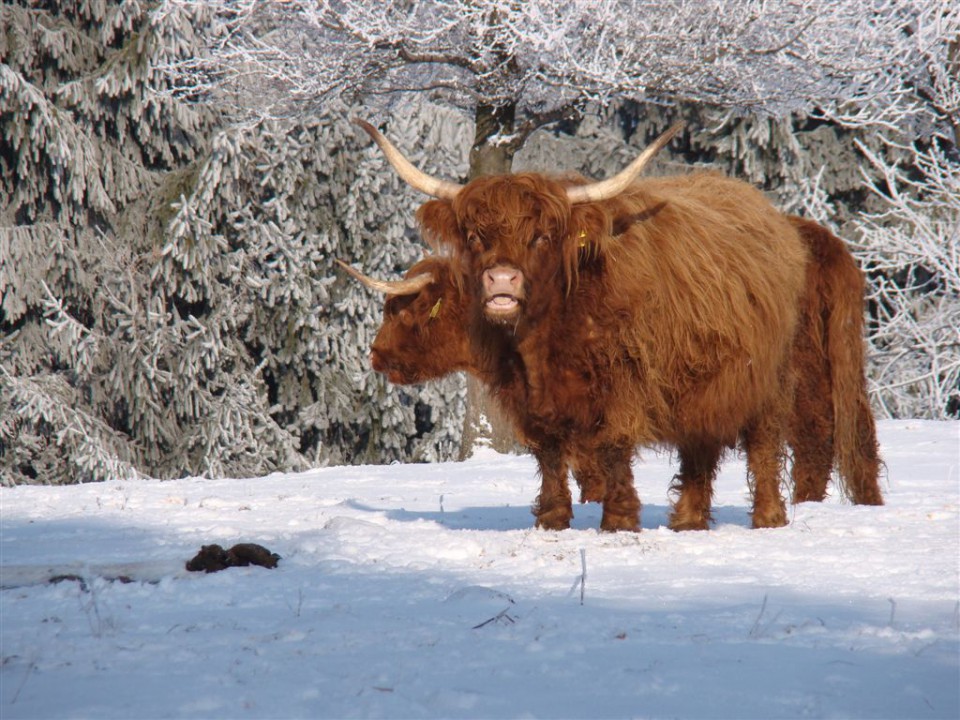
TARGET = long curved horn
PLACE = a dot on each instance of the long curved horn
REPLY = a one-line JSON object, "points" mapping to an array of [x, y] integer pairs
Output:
{"points": [[612, 187], [407, 286], [414, 177]]}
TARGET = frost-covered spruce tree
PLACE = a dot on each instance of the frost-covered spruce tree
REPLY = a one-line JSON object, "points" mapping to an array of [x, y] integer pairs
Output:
{"points": [[166, 298], [85, 152], [267, 213]]}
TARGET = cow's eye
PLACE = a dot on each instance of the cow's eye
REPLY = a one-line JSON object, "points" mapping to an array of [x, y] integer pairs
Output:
{"points": [[474, 242]]}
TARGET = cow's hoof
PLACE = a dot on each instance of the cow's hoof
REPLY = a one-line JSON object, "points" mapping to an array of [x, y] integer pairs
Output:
{"points": [[808, 496], [688, 526], [554, 520], [682, 522], [620, 523], [869, 496], [774, 519]]}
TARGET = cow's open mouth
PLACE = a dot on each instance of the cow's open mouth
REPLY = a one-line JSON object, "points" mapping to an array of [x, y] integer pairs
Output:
{"points": [[502, 304]]}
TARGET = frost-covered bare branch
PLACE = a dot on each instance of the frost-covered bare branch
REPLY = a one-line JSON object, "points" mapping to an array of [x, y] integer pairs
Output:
{"points": [[853, 60], [912, 249]]}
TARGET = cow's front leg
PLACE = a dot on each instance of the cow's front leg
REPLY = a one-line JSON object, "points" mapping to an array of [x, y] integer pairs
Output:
{"points": [[621, 505], [554, 506]]}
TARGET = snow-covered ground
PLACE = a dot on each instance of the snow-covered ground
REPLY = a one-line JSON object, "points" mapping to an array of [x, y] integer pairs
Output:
{"points": [[422, 591]]}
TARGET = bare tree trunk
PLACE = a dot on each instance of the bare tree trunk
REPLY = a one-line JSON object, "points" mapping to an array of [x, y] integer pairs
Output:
{"points": [[492, 154], [493, 150], [483, 424]]}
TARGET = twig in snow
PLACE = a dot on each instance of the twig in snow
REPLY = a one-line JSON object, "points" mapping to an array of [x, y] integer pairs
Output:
{"points": [[755, 630], [299, 608], [760, 628], [92, 610], [502, 615], [893, 610], [26, 676]]}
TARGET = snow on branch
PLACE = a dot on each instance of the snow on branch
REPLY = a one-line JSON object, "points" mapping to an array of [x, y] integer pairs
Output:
{"points": [[911, 248], [94, 449], [851, 60]]}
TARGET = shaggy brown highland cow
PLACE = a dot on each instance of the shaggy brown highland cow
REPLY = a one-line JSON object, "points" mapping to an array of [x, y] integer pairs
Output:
{"points": [[423, 337], [627, 313]]}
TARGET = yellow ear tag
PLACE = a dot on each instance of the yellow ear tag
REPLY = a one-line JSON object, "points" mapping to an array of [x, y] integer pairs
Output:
{"points": [[435, 310], [583, 238]]}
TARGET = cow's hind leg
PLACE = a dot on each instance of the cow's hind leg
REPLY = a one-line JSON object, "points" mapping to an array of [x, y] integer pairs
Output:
{"points": [[694, 486], [621, 504], [554, 506], [811, 423], [811, 436], [763, 444]]}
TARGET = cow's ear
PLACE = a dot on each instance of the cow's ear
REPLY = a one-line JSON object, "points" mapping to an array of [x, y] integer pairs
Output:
{"points": [[439, 225], [626, 220], [590, 225]]}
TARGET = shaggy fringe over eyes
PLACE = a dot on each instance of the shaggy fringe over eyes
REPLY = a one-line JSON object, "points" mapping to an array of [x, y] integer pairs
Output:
{"points": [[441, 232], [439, 225]]}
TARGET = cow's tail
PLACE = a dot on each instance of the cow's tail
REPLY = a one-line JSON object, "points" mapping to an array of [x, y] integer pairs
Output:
{"points": [[856, 451]]}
